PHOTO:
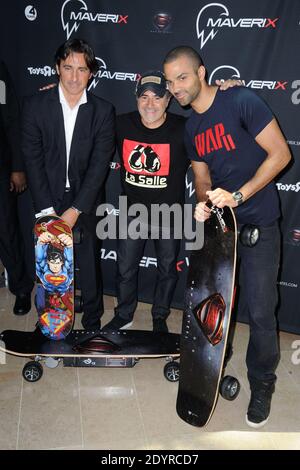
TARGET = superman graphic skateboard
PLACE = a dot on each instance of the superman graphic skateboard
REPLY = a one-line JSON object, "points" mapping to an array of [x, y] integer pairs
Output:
{"points": [[206, 320], [54, 277]]}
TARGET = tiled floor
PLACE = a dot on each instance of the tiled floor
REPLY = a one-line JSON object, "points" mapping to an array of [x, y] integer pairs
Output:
{"points": [[134, 408]]}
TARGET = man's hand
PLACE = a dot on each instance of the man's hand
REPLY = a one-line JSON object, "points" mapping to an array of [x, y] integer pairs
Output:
{"points": [[18, 181], [202, 212], [231, 82], [65, 239], [221, 198], [46, 237], [70, 217]]}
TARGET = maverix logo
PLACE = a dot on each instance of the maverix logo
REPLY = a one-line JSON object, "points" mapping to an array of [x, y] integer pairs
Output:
{"points": [[103, 72], [223, 72], [75, 11], [216, 15]]}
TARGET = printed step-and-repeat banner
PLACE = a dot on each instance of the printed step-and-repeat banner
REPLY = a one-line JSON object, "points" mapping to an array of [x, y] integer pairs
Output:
{"points": [[257, 41]]}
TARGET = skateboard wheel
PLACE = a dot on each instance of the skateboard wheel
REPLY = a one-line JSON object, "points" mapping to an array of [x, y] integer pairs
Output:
{"points": [[249, 235], [171, 371], [32, 371], [229, 388]]}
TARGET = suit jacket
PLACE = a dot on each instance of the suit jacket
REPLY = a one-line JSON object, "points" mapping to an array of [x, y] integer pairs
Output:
{"points": [[10, 152], [44, 150]]}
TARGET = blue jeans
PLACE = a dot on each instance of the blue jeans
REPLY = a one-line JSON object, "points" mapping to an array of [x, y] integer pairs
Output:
{"points": [[129, 253], [258, 280]]}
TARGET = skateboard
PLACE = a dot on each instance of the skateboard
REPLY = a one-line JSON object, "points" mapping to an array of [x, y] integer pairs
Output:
{"points": [[54, 298], [206, 319], [82, 348]]}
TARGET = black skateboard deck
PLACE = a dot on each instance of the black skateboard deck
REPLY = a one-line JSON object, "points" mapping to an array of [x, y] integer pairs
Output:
{"points": [[206, 318], [54, 298], [84, 348]]}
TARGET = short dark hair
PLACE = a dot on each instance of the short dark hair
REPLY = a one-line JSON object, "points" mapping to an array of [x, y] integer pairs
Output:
{"points": [[55, 253], [187, 51], [80, 46]]}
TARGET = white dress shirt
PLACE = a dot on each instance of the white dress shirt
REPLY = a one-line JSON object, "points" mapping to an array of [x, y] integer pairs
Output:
{"points": [[70, 115]]}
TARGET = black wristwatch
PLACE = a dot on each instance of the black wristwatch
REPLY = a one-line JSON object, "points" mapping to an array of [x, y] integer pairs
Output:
{"points": [[238, 197]]}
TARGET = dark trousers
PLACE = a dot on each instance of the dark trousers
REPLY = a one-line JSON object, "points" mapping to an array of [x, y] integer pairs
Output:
{"points": [[12, 251], [258, 281], [87, 259], [129, 254]]}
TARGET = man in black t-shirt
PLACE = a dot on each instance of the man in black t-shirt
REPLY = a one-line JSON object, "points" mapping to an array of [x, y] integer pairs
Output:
{"points": [[237, 149], [153, 166]]}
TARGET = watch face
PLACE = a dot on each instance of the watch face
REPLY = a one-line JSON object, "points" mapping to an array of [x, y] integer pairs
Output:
{"points": [[237, 196]]}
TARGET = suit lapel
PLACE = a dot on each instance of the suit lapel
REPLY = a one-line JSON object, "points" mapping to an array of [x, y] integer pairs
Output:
{"points": [[82, 129], [59, 127]]}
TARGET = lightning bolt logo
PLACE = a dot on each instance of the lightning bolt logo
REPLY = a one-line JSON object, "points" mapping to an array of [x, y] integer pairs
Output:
{"points": [[203, 33], [189, 184], [96, 77], [68, 25]]}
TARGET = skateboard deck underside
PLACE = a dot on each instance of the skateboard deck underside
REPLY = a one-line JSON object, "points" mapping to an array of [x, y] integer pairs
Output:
{"points": [[208, 303]]}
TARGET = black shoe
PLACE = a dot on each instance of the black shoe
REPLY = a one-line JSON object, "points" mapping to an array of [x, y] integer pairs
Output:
{"points": [[90, 324], [260, 405], [117, 323], [160, 325], [22, 304]]}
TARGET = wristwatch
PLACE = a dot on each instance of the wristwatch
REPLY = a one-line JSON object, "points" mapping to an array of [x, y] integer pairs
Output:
{"points": [[238, 197], [78, 212]]}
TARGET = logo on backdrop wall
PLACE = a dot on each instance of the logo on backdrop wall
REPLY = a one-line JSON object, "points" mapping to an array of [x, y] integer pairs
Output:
{"points": [[288, 187], [223, 72], [45, 70], [30, 13], [73, 12], [162, 22], [214, 16], [104, 72]]}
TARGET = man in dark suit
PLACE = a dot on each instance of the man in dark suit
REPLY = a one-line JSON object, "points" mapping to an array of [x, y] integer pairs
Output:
{"points": [[12, 183], [67, 142]]}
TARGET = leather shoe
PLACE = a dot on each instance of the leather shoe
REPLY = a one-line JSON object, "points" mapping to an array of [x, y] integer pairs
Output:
{"points": [[22, 304]]}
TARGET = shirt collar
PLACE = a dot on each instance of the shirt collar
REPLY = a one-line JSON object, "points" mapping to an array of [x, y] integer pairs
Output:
{"points": [[62, 99]]}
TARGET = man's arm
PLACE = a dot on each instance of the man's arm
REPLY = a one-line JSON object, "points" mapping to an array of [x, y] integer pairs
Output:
{"points": [[202, 186], [278, 156], [33, 153], [102, 153]]}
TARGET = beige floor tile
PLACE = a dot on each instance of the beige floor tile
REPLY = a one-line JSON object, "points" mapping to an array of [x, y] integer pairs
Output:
{"points": [[10, 396], [222, 440], [109, 407], [118, 444], [50, 415], [286, 441], [157, 399], [290, 360]]}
